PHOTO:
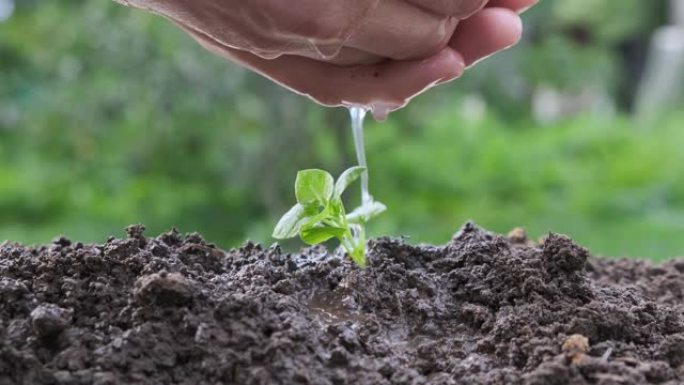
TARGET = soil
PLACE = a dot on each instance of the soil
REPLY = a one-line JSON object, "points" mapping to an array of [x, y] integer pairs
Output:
{"points": [[482, 309]]}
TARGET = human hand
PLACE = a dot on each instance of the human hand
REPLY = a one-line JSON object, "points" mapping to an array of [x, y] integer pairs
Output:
{"points": [[374, 53]]}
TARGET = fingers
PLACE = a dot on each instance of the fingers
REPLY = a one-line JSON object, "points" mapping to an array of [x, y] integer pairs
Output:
{"points": [[514, 5], [487, 32], [399, 30], [463, 9], [460, 9], [390, 84]]}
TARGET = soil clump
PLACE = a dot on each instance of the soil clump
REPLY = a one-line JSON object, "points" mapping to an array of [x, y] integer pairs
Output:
{"points": [[482, 309]]}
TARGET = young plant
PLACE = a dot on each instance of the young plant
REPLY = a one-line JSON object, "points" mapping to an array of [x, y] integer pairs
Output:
{"points": [[319, 214]]}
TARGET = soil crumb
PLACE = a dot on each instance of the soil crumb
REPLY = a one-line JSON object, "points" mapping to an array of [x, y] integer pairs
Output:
{"points": [[482, 309]]}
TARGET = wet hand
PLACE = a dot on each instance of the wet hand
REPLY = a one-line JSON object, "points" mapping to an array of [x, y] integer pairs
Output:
{"points": [[376, 53]]}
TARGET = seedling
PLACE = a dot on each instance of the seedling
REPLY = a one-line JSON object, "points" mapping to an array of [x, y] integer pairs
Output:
{"points": [[319, 214]]}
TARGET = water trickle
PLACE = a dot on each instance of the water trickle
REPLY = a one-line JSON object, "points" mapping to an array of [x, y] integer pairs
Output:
{"points": [[357, 116]]}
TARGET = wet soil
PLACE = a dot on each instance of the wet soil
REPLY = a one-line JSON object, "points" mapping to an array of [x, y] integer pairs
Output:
{"points": [[482, 309]]}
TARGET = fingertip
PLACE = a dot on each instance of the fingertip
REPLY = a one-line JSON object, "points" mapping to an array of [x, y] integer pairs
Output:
{"points": [[453, 67], [505, 26], [488, 32], [516, 27], [443, 67], [393, 83]]}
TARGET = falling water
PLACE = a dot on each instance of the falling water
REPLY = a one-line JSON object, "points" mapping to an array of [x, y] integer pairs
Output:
{"points": [[357, 115]]}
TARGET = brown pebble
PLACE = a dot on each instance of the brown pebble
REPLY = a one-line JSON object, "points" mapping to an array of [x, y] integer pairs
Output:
{"points": [[576, 343], [49, 320], [135, 231], [518, 235], [575, 347], [163, 289]]}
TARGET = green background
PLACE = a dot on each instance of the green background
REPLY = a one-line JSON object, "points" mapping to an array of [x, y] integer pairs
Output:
{"points": [[110, 116]]}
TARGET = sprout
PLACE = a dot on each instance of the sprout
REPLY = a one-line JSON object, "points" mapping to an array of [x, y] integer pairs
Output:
{"points": [[319, 214]]}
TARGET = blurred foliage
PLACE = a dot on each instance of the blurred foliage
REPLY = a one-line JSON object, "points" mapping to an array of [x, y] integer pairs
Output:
{"points": [[110, 116], [572, 45], [607, 21], [613, 185]]}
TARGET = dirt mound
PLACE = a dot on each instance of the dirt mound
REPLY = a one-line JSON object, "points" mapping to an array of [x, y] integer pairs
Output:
{"points": [[483, 309]]}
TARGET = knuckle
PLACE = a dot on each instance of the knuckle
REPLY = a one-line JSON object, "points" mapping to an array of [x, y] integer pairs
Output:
{"points": [[298, 28], [457, 8], [324, 29], [320, 22], [466, 8], [431, 42]]}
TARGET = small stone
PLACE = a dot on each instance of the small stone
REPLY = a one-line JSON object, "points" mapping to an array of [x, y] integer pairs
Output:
{"points": [[64, 377], [628, 361], [159, 250], [575, 347], [561, 254], [195, 238], [576, 343], [61, 241], [163, 289], [291, 266], [338, 358], [518, 236], [135, 231], [349, 339], [468, 228], [18, 330], [105, 378], [679, 265], [285, 286], [301, 377], [49, 320], [12, 290], [117, 343], [171, 237]]}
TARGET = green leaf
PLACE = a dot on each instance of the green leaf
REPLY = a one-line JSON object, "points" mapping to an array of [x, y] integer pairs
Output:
{"points": [[358, 255], [290, 224], [316, 235], [320, 214], [366, 212], [317, 217], [336, 208], [314, 186], [348, 177]]}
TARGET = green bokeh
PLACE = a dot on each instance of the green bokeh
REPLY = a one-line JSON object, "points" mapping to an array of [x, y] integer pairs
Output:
{"points": [[110, 116]]}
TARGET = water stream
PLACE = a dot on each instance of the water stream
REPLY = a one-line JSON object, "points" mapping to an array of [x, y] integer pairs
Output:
{"points": [[357, 116]]}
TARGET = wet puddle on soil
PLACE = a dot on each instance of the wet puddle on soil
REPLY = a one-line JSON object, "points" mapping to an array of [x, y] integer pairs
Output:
{"points": [[328, 307]]}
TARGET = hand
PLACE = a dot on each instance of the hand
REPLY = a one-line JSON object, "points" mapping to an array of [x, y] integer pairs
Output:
{"points": [[375, 53]]}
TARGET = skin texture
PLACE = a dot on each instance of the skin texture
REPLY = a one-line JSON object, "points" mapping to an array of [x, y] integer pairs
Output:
{"points": [[373, 53]]}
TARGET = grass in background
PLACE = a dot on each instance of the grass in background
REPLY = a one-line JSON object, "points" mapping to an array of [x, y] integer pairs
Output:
{"points": [[613, 185]]}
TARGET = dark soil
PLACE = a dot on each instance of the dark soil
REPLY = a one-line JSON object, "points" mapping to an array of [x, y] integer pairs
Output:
{"points": [[483, 309]]}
